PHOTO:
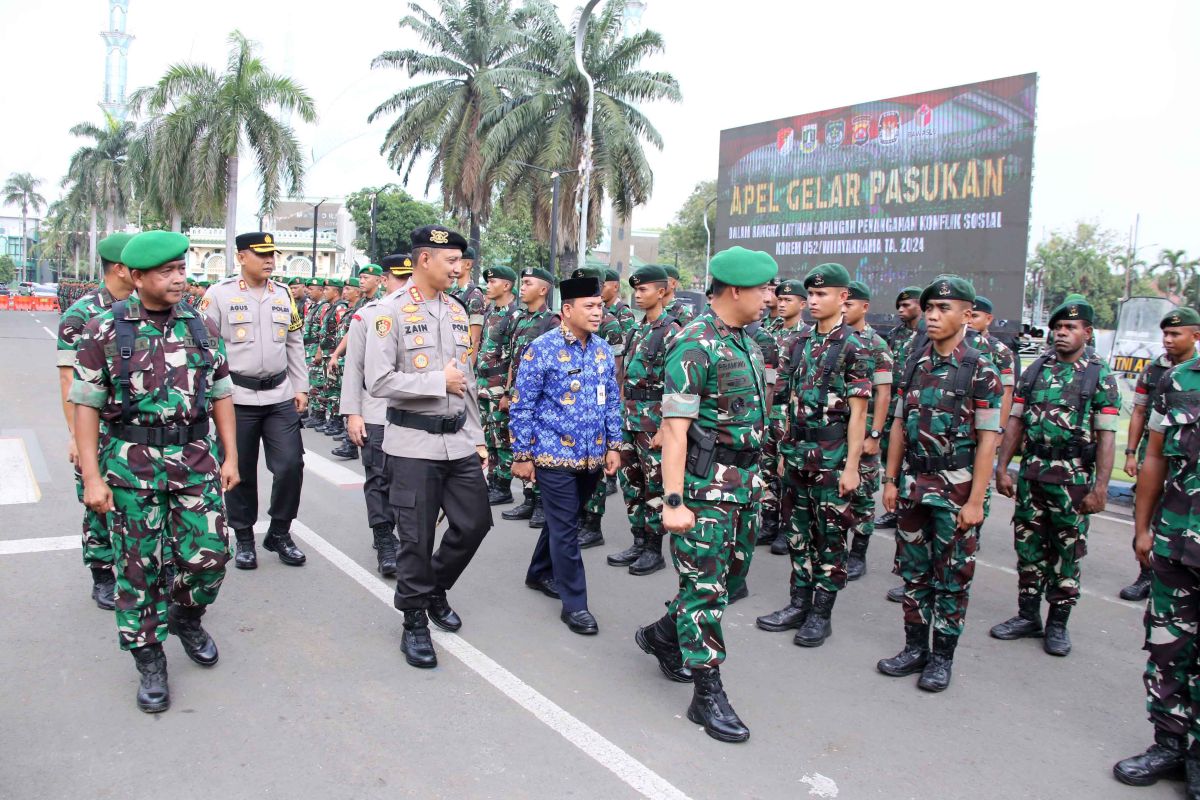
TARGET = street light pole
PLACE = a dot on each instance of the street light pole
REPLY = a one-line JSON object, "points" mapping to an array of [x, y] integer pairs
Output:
{"points": [[313, 271], [585, 164], [707, 242], [555, 182]]}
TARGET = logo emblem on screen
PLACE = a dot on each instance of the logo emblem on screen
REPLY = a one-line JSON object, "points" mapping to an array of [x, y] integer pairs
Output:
{"points": [[835, 132], [860, 129], [808, 138], [924, 116], [783, 140], [889, 127]]}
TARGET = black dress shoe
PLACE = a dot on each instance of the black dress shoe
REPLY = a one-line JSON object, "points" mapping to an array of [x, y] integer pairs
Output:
{"points": [[104, 588], [282, 544], [442, 615], [184, 623], [581, 622], [1163, 759], [153, 695], [544, 585], [415, 642], [244, 556]]}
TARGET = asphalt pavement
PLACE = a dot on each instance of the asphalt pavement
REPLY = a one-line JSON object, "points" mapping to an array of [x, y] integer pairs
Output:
{"points": [[312, 697]]}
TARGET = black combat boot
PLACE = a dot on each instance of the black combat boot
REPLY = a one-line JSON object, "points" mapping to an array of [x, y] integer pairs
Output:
{"points": [[710, 708], [651, 559], [790, 616], [740, 593], [345, 451], [630, 554], [1057, 641], [153, 695], [184, 623], [441, 614], [768, 529], [896, 594], [385, 549], [500, 492], [914, 655], [1140, 588], [779, 546], [887, 521], [415, 642], [1027, 622], [522, 511], [1193, 774], [104, 588], [817, 627], [538, 518], [661, 640], [936, 675], [1163, 759], [245, 557], [336, 426], [279, 540], [856, 561], [590, 534], [316, 419], [610, 485]]}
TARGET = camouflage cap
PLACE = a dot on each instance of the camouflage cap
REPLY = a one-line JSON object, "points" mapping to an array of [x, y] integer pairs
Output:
{"points": [[651, 273], [539, 273], [371, 269], [983, 304], [792, 287], [827, 275], [110, 247], [501, 273], [908, 293], [738, 266], [859, 291], [153, 249], [1180, 317], [948, 287], [1072, 308]]}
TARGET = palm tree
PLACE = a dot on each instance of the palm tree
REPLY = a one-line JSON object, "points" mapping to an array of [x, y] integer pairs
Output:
{"points": [[21, 189], [543, 124], [214, 117], [477, 53], [1178, 270], [104, 166]]}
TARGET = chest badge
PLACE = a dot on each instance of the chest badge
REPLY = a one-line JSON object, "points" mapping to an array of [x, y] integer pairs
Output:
{"points": [[568, 399], [408, 309], [241, 333], [564, 356], [419, 340], [576, 386], [420, 361], [414, 318]]}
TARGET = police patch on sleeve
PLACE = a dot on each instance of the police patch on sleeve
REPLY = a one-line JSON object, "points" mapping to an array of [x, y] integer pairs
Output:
{"points": [[383, 326]]}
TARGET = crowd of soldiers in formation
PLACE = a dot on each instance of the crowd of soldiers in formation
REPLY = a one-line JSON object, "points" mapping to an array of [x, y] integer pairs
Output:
{"points": [[931, 409]]}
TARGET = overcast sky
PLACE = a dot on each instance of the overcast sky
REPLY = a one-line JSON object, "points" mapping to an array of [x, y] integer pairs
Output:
{"points": [[1117, 111]]}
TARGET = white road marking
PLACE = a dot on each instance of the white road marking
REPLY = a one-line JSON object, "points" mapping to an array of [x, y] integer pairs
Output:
{"points": [[53, 335], [41, 545], [336, 474], [633, 772], [17, 482], [1114, 519]]}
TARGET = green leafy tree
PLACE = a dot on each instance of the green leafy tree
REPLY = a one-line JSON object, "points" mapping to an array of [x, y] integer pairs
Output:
{"points": [[1180, 275], [215, 117], [508, 240], [21, 189], [102, 166], [686, 237], [8, 269], [1081, 261], [396, 215]]}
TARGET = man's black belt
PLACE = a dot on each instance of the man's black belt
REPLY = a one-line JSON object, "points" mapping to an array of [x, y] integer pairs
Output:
{"points": [[738, 458], [1061, 452], [258, 384], [425, 422], [826, 433], [644, 394], [160, 436], [927, 465]]}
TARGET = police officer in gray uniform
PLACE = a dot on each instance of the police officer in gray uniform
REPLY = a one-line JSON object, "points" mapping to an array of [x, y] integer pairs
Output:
{"points": [[366, 415], [261, 327], [418, 359]]}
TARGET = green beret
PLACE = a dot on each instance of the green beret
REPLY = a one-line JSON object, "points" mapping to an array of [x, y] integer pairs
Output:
{"points": [[589, 272], [336, 283], [651, 273], [672, 271], [948, 287], [469, 253], [191, 281], [827, 275], [1180, 317], [793, 287], [983, 304], [317, 282], [206, 284], [353, 282], [153, 249], [501, 273], [371, 269], [859, 291], [740, 267], [539, 273], [110, 247], [611, 275], [1073, 307], [908, 293]]}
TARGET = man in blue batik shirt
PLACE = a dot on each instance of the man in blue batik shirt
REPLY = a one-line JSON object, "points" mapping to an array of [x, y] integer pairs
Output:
{"points": [[565, 421]]}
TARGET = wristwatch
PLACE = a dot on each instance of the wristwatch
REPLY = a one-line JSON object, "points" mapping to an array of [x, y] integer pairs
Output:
{"points": [[874, 434], [888, 479], [674, 499], [1129, 451]]}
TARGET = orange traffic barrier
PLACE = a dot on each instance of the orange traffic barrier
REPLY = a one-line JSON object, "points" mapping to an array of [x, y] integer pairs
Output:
{"points": [[3, 302]]}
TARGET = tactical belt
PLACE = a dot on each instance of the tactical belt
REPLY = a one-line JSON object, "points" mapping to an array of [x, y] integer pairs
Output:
{"points": [[826, 433], [927, 465], [644, 394], [491, 372], [738, 458], [424, 422], [1066, 451], [780, 398], [160, 436], [258, 384]]}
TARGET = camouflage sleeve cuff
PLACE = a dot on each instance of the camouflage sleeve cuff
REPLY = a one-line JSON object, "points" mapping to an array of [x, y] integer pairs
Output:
{"points": [[882, 378], [1140, 399], [1017, 409], [66, 358], [1106, 419], [477, 319], [1157, 422], [222, 387], [87, 394], [1007, 379], [681, 405], [772, 375], [860, 388], [987, 419]]}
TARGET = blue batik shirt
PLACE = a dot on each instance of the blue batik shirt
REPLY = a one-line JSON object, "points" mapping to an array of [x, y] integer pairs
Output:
{"points": [[566, 409]]}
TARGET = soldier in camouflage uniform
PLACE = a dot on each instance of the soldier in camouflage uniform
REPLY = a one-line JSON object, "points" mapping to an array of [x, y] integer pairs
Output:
{"points": [[534, 320], [1167, 539], [765, 338], [367, 283], [1001, 355], [908, 309], [155, 374], [491, 372], [473, 299], [97, 544], [792, 299], [862, 505], [829, 386], [674, 306], [611, 294], [339, 308], [313, 327], [714, 424], [944, 431], [1065, 416], [641, 444]]}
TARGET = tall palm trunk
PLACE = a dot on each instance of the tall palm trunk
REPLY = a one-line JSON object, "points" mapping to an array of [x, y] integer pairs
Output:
{"points": [[475, 244], [231, 190], [92, 246], [24, 245], [176, 222]]}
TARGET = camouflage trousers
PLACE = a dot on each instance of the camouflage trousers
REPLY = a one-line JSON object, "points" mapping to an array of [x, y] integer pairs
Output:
{"points": [[816, 534], [1172, 620], [97, 544], [495, 435], [191, 522], [316, 392], [641, 474], [937, 562], [1051, 538], [773, 489], [712, 560], [862, 504]]}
